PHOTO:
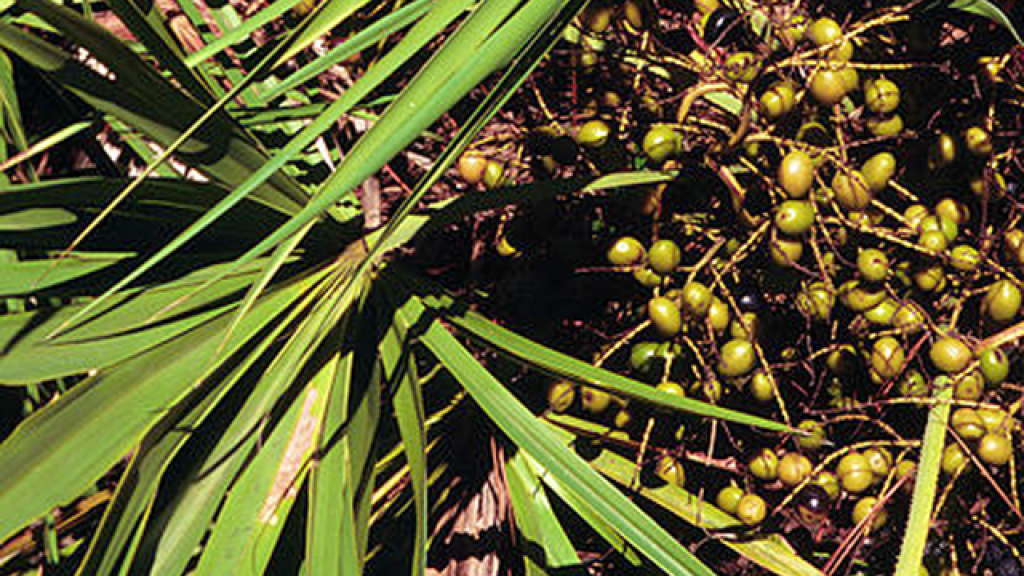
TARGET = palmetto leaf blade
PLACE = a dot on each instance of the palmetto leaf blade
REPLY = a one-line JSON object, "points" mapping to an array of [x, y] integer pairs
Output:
{"points": [[771, 553], [64, 447], [139, 96], [117, 539], [431, 25], [532, 436]]}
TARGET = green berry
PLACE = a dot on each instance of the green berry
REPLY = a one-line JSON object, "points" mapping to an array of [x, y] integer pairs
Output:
{"points": [[786, 252], [995, 449], [950, 354], [796, 173], [885, 126], [930, 278], [793, 468], [697, 299], [828, 87], [761, 387], [887, 358], [728, 498], [794, 217], [772, 105], [953, 458], [978, 141], [964, 258], [1001, 302], [854, 473], [661, 143], [594, 401], [942, 152], [824, 31], [494, 175], [671, 471], [967, 423], [718, 315], [851, 190], [914, 384], [884, 313], [829, 482], [647, 277], [626, 251], [737, 358], [664, 256], [882, 96], [561, 395], [933, 241], [859, 297], [816, 302], [816, 438], [952, 210], [863, 509], [938, 223], [751, 509], [879, 461], [765, 465], [878, 171], [642, 356], [742, 67], [995, 366], [873, 265], [908, 318], [995, 420], [593, 134], [746, 327], [851, 79], [969, 387], [665, 316], [777, 101]]}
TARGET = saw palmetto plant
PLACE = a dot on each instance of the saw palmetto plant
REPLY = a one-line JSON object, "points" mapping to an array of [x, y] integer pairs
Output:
{"points": [[509, 286]]}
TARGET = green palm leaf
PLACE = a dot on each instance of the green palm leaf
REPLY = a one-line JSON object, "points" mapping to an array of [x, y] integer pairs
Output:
{"points": [[537, 441]]}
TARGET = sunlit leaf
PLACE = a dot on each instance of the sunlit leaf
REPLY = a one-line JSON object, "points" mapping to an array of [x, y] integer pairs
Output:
{"points": [[531, 435], [987, 9]]}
